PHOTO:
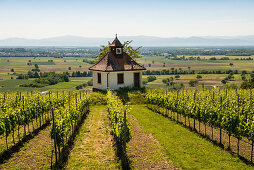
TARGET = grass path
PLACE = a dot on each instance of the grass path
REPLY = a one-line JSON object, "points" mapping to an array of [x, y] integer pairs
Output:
{"points": [[185, 148], [36, 154], [144, 151], [93, 146]]}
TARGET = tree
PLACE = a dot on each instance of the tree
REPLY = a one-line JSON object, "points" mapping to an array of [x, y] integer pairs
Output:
{"points": [[36, 69], [199, 77], [151, 78], [36, 75], [213, 58], [69, 68], [243, 77], [231, 64], [149, 65], [168, 81], [36, 66], [132, 52], [90, 82], [193, 83], [224, 81], [252, 75], [177, 76], [231, 77], [12, 70], [248, 84]]}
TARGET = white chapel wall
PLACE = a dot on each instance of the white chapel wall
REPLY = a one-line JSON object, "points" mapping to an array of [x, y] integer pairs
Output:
{"points": [[112, 79]]}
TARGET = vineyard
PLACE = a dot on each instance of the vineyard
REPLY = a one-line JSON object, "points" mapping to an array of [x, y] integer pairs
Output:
{"points": [[19, 110], [119, 125], [228, 111], [225, 117]]}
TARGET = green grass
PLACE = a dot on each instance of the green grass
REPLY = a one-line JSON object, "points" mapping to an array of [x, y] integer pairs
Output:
{"points": [[93, 147], [80, 78], [160, 86], [13, 85], [183, 147], [65, 85], [44, 63]]}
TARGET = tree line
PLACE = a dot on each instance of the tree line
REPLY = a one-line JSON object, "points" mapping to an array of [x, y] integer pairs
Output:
{"points": [[174, 71]]}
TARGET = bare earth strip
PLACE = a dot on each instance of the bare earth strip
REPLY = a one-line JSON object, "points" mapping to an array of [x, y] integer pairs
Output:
{"points": [[36, 154], [145, 151], [93, 147]]}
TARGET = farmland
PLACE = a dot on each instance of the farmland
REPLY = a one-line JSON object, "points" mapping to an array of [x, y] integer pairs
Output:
{"points": [[158, 127], [156, 63]]}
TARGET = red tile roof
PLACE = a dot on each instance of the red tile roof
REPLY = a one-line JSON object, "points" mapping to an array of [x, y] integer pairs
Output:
{"points": [[111, 62]]}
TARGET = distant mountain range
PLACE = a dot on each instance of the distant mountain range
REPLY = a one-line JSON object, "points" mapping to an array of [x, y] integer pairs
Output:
{"points": [[149, 41]]}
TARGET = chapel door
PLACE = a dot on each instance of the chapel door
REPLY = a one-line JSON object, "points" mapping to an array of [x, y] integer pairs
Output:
{"points": [[137, 80]]}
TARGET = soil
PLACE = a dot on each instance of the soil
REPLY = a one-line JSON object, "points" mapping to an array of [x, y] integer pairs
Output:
{"points": [[36, 154]]}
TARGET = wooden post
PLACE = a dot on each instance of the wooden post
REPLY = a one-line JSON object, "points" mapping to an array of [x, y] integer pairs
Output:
{"points": [[195, 109], [124, 139], [76, 100], [54, 131], [124, 122], [177, 105], [220, 122], [23, 109]]}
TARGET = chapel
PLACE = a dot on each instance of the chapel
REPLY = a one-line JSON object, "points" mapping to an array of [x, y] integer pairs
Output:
{"points": [[116, 69]]}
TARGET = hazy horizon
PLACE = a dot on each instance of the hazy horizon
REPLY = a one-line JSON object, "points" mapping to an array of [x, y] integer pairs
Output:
{"points": [[34, 19], [113, 36]]}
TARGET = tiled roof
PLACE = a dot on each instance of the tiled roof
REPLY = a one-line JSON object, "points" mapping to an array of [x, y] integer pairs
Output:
{"points": [[115, 63], [116, 43]]}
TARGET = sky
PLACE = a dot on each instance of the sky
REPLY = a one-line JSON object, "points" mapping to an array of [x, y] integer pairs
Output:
{"points": [[104, 18]]}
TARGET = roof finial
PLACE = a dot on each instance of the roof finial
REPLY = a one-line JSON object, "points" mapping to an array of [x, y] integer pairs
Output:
{"points": [[116, 35]]}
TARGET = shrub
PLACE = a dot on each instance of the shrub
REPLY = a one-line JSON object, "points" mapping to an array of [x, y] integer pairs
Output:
{"points": [[212, 58], [199, 77], [193, 83], [177, 76], [151, 78], [90, 82], [224, 81]]}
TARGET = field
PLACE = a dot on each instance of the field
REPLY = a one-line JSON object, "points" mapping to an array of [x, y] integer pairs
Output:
{"points": [[158, 61], [19, 64], [208, 80]]}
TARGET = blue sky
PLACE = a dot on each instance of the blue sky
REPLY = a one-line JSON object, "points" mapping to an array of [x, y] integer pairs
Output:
{"points": [[103, 18]]}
